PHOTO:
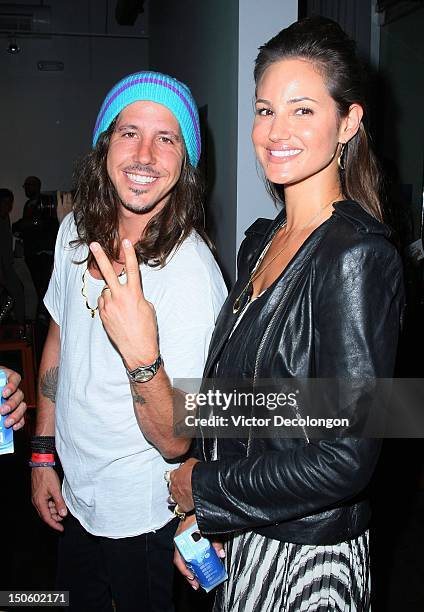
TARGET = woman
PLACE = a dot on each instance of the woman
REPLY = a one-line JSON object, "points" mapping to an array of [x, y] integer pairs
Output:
{"points": [[318, 295]]}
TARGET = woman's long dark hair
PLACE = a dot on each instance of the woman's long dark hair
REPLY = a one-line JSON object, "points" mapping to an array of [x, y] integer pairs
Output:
{"points": [[97, 204], [323, 42]]}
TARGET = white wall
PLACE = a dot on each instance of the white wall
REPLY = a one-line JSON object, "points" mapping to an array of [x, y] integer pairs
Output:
{"points": [[197, 42], [211, 45], [258, 22], [48, 117]]}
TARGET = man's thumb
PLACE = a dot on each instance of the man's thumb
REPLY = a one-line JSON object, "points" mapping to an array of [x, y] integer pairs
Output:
{"points": [[60, 504]]}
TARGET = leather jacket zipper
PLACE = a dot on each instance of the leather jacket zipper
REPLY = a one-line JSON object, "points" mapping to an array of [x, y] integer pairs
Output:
{"points": [[269, 327]]}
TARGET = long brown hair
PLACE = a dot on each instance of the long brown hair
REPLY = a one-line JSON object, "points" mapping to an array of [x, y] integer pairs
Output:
{"points": [[323, 42], [97, 204]]}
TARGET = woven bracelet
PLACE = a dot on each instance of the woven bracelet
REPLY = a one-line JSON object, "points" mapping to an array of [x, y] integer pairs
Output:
{"points": [[34, 464]]}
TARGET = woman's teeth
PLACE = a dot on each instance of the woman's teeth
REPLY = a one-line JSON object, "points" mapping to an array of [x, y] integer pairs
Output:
{"points": [[287, 153]]}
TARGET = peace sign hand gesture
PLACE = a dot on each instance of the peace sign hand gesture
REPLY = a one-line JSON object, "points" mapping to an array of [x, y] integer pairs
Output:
{"points": [[128, 318]]}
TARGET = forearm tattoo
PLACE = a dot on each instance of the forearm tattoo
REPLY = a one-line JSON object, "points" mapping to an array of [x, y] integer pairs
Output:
{"points": [[48, 383], [137, 398]]}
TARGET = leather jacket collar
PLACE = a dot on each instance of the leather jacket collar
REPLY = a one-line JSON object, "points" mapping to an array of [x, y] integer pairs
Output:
{"points": [[257, 237]]}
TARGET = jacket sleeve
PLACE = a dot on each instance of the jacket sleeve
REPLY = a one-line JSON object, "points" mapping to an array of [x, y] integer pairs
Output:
{"points": [[357, 304]]}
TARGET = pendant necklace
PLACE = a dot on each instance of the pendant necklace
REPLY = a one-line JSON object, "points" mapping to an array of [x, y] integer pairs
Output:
{"points": [[248, 288], [84, 294]]}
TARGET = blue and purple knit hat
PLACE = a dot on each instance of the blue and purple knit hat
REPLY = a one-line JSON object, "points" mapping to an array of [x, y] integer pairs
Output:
{"points": [[154, 87]]}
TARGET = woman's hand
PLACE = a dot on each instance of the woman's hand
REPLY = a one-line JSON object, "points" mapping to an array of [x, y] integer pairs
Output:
{"points": [[180, 485], [14, 405], [128, 318], [179, 561]]}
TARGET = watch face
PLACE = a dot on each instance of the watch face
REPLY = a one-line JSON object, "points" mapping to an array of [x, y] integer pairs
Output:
{"points": [[143, 375]]}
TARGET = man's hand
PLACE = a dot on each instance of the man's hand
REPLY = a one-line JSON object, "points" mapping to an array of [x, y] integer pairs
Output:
{"points": [[130, 322], [179, 561], [47, 497], [15, 403], [128, 318], [180, 485]]}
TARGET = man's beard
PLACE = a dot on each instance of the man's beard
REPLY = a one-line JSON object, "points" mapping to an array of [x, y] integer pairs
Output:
{"points": [[139, 209]]}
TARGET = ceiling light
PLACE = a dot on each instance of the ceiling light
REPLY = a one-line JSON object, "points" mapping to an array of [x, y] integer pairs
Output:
{"points": [[13, 48]]}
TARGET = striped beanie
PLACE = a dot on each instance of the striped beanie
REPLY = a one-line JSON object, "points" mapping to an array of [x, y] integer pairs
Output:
{"points": [[154, 87]]}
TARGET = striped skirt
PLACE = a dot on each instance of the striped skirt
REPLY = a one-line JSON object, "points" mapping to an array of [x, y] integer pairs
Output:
{"points": [[270, 576]]}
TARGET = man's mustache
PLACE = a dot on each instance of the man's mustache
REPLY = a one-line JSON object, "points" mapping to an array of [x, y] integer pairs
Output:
{"points": [[141, 168]]}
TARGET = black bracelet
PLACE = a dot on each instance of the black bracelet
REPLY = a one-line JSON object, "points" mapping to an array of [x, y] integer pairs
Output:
{"points": [[182, 515], [42, 444]]}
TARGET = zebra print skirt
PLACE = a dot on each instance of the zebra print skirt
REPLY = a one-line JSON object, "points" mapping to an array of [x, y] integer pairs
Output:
{"points": [[270, 576]]}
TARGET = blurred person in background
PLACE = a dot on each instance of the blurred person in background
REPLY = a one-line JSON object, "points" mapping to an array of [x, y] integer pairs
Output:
{"points": [[10, 282], [37, 229]]}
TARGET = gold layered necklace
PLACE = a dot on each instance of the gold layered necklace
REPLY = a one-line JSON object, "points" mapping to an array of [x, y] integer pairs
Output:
{"points": [[248, 288], [84, 294]]}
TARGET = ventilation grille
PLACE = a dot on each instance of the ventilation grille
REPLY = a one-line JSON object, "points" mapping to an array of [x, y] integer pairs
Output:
{"points": [[25, 18], [16, 23]]}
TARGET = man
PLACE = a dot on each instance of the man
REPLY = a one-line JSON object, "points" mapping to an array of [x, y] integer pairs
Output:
{"points": [[37, 228], [102, 378], [9, 280]]}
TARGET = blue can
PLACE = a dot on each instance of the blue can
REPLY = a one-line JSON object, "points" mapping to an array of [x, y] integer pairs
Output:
{"points": [[6, 435], [201, 558]]}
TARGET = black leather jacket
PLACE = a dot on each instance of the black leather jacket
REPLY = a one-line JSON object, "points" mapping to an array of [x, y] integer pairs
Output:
{"points": [[334, 312]]}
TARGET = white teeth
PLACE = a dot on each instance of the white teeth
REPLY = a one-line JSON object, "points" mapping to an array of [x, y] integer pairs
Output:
{"points": [[288, 153], [142, 180]]}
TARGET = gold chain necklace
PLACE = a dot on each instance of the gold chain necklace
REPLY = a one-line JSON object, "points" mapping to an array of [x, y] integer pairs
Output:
{"points": [[257, 273], [83, 291]]}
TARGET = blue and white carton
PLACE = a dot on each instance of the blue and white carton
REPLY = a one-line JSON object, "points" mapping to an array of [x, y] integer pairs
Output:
{"points": [[6, 435], [201, 558]]}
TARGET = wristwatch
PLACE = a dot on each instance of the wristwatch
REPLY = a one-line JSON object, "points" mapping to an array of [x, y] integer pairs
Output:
{"points": [[145, 373]]}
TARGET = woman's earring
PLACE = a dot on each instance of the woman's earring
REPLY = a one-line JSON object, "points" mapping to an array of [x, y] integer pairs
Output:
{"points": [[340, 157]]}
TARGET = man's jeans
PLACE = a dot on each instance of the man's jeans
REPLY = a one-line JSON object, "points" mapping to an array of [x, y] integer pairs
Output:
{"points": [[137, 572]]}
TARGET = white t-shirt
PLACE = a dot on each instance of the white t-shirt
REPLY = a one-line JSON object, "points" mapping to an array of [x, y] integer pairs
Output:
{"points": [[114, 482]]}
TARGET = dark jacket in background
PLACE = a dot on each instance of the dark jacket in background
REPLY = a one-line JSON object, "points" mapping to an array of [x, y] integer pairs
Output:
{"points": [[38, 229]]}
